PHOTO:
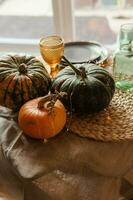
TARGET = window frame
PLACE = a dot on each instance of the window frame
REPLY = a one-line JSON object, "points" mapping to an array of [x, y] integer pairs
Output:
{"points": [[64, 18]]}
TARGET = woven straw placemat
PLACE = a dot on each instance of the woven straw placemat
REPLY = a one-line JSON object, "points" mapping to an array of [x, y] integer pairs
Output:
{"points": [[114, 123]]}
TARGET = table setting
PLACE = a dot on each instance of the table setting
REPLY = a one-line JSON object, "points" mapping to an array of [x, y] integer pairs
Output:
{"points": [[66, 122]]}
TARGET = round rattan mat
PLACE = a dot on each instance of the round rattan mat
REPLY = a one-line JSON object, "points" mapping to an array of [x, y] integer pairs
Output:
{"points": [[114, 123]]}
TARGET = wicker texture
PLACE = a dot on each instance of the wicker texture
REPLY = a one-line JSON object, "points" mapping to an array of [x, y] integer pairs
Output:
{"points": [[115, 123]]}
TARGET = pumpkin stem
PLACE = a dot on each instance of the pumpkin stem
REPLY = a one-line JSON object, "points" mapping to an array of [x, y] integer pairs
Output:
{"points": [[22, 68], [83, 72], [50, 99], [77, 71]]}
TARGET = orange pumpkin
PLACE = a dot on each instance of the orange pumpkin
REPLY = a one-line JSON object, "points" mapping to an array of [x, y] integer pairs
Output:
{"points": [[43, 117]]}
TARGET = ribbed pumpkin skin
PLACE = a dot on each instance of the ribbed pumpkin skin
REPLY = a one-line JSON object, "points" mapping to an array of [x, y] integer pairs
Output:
{"points": [[38, 122], [21, 78], [85, 95]]}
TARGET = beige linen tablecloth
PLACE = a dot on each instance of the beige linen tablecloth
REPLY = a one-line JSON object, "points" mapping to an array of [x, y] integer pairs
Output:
{"points": [[67, 167]]}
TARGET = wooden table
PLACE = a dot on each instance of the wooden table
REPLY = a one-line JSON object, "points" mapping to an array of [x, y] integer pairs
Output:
{"points": [[67, 167]]}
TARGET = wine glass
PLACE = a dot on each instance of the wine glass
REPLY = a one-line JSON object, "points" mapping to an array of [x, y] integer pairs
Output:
{"points": [[52, 50]]}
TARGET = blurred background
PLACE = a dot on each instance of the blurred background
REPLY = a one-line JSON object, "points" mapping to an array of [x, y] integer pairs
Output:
{"points": [[26, 21]]}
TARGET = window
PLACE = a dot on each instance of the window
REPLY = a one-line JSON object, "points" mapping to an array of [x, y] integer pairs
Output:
{"points": [[28, 19], [100, 20], [24, 22]]}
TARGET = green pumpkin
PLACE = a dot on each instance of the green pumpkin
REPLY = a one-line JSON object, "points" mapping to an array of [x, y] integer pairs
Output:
{"points": [[21, 78], [89, 87]]}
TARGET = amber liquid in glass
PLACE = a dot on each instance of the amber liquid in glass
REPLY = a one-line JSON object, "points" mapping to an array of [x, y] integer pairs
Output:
{"points": [[52, 50]]}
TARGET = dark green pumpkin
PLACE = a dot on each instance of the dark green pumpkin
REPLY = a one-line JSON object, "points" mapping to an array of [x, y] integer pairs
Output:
{"points": [[21, 78], [89, 87]]}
